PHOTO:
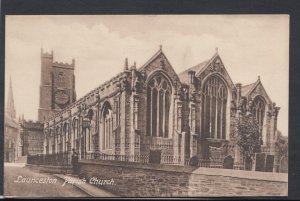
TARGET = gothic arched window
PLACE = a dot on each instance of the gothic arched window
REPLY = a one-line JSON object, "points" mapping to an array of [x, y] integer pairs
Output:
{"points": [[107, 126], [75, 142], [214, 100], [258, 111], [67, 137], [158, 107], [60, 77]]}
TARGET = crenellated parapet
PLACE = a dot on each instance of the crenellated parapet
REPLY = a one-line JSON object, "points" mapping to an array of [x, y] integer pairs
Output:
{"points": [[46, 54], [64, 65]]}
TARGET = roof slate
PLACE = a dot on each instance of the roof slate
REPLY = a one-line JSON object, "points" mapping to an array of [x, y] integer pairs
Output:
{"points": [[247, 88], [183, 76]]}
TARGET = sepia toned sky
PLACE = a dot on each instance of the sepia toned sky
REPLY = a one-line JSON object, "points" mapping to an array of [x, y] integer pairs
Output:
{"points": [[249, 45]]}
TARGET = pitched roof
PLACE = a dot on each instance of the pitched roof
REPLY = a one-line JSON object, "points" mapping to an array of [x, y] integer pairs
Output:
{"points": [[183, 76], [198, 68], [151, 59], [247, 88], [156, 56]]}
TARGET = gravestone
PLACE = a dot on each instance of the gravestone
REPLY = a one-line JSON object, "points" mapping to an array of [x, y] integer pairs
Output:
{"points": [[283, 166], [269, 163], [248, 163], [228, 162], [155, 156], [260, 161], [194, 161]]}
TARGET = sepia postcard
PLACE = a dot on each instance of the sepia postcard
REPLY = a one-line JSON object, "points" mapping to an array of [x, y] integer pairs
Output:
{"points": [[146, 105]]}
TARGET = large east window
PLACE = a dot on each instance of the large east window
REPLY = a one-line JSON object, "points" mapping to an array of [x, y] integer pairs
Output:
{"points": [[158, 106], [214, 100]]}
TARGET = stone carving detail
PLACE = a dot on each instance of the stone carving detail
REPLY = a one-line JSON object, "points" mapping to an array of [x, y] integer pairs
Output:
{"points": [[259, 91], [135, 112], [125, 84], [249, 105], [61, 97], [179, 116], [269, 112], [216, 67], [233, 105], [185, 94], [274, 110], [142, 76], [243, 104], [193, 95], [162, 62]]}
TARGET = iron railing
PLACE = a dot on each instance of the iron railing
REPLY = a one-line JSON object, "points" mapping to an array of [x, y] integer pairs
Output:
{"points": [[112, 157], [64, 159], [165, 159], [57, 159]]}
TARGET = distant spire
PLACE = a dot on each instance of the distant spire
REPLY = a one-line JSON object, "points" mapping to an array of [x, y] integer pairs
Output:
{"points": [[216, 49], [126, 64], [160, 47], [258, 78], [10, 106]]}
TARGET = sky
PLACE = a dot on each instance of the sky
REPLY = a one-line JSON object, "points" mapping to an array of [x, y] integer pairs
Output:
{"points": [[249, 46]]}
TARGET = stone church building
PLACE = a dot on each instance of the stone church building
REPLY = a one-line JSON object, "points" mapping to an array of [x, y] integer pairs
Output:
{"points": [[152, 107]]}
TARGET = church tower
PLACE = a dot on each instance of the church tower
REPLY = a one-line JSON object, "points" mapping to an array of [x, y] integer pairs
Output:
{"points": [[57, 86], [10, 105]]}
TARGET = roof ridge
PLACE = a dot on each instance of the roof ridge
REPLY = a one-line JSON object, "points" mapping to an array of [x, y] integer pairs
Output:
{"points": [[191, 68], [151, 59], [249, 84]]}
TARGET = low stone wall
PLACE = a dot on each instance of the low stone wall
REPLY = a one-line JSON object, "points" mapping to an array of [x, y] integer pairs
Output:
{"points": [[51, 169], [157, 180]]}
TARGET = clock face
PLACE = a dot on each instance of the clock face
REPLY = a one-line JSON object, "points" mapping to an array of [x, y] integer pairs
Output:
{"points": [[61, 97]]}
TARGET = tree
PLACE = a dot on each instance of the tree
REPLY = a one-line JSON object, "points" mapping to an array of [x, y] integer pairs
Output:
{"points": [[247, 135], [281, 144]]}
